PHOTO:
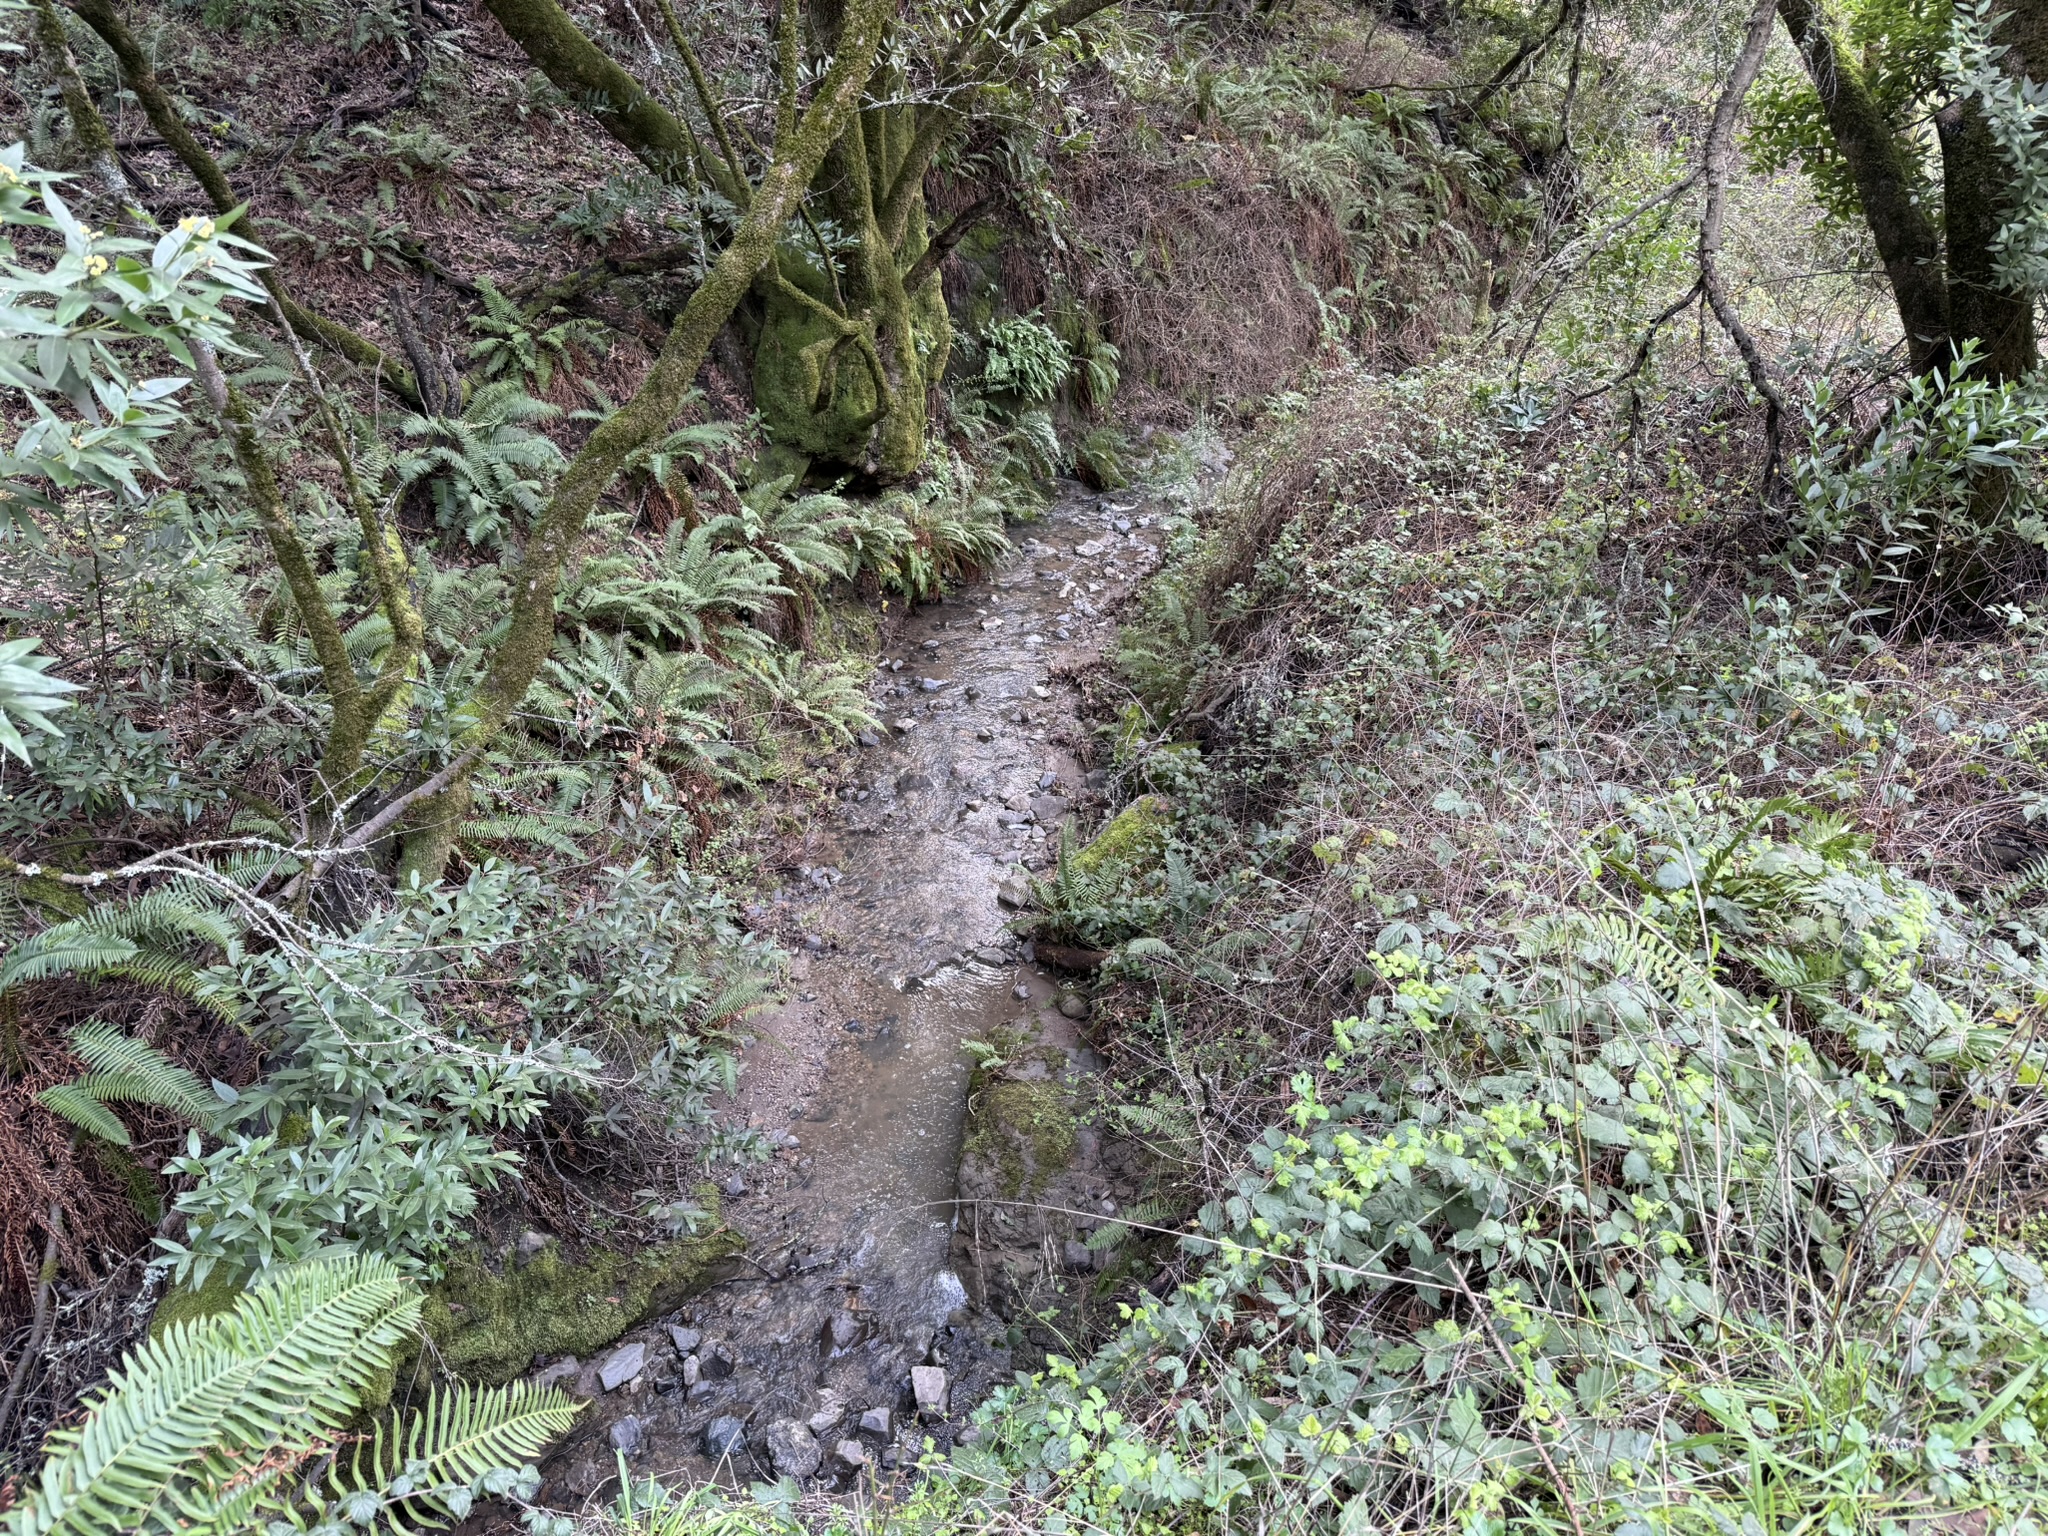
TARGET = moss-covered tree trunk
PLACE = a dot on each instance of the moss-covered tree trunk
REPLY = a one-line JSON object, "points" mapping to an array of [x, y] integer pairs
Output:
{"points": [[848, 357], [1942, 273]]}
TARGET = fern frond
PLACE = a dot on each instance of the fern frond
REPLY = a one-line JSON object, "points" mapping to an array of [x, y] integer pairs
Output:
{"points": [[463, 1432], [2031, 879], [130, 1071], [139, 939], [62, 950], [73, 1102], [183, 1415], [550, 832]]}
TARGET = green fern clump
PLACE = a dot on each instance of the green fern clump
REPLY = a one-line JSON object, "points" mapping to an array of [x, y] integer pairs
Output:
{"points": [[485, 469], [223, 1426], [687, 590], [154, 939], [509, 341], [1022, 356]]}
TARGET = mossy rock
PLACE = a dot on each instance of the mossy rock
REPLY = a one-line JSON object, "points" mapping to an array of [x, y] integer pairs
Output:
{"points": [[1134, 840], [1023, 1131], [490, 1325]]}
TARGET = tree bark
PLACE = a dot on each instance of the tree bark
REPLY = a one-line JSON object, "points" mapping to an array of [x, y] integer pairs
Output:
{"points": [[1907, 241], [581, 70], [1976, 204]]}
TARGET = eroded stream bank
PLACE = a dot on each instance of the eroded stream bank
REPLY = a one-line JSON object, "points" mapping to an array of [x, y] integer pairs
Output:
{"points": [[875, 1306]]}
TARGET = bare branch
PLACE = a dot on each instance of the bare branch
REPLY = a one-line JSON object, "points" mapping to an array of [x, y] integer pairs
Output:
{"points": [[1717, 164]]}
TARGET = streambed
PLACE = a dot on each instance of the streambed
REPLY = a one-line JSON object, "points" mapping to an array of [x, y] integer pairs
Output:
{"points": [[859, 1325]]}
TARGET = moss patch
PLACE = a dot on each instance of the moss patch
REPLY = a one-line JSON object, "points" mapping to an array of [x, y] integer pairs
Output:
{"points": [[1024, 1131], [1134, 839], [489, 1326], [182, 1303]]}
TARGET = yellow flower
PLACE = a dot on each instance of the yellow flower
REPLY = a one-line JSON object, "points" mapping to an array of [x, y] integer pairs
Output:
{"points": [[96, 265], [77, 441], [7, 175]]}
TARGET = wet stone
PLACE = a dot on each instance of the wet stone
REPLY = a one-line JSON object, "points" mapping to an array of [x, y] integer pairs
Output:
{"points": [[911, 781], [1020, 992], [991, 956], [725, 1436], [693, 1371], [868, 739], [627, 1435], [1077, 1257], [878, 1421], [562, 1373], [715, 1361], [793, 1450], [685, 1340], [1073, 1007], [622, 1365], [843, 1329], [1049, 808]]}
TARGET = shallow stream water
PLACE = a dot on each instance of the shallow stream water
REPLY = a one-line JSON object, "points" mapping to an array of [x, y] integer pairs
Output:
{"points": [[857, 1252]]}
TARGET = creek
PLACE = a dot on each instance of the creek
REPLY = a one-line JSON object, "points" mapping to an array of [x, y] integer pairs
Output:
{"points": [[864, 1265]]}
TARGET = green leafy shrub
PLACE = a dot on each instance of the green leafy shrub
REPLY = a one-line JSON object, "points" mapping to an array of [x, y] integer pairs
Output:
{"points": [[380, 1123], [1935, 499], [28, 694]]}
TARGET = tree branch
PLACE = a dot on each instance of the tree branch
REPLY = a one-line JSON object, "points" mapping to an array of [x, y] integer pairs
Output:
{"points": [[944, 241], [1718, 163], [322, 628], [163, 116], [737, 188]]}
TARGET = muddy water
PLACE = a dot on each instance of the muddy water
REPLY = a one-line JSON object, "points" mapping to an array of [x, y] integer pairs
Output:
{"points": [[857, 1251]]}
